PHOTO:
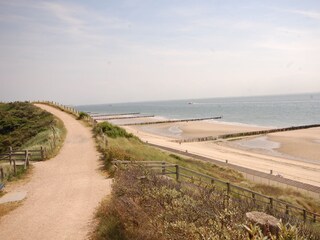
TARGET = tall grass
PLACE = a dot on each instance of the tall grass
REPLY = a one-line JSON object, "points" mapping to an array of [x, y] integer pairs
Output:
{"points": [[158, 208], [51, 139]]}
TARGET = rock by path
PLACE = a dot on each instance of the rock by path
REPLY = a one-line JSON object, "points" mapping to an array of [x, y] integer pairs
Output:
{"points": [[63, 192]]}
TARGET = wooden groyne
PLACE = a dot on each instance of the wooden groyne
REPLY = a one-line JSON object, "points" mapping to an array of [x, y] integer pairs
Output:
{"points": [[172, 121], [246, 134], [112, 114], [130, 117]]}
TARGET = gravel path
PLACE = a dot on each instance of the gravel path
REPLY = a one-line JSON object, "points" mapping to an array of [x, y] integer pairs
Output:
{"points": [[63, 192]]}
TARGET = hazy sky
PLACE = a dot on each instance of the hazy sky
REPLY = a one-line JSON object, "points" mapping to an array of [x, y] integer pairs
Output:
{"points": [[103, 51]]}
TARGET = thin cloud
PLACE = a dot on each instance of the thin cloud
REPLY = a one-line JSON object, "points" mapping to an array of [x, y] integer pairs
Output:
{"points": [[309, 14]]}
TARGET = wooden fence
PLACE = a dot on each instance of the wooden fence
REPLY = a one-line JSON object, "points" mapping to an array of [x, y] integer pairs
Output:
{"points": [[183, 174], [20, 158], [70, 110]]}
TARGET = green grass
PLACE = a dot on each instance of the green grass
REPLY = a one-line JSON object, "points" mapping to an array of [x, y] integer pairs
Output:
{"points": [[19, 122], [112, 131], [131, 148], [51, 139], [25, 126]]}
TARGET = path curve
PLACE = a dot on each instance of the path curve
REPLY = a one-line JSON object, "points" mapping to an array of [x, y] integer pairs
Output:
{"points": [[63, 192]]}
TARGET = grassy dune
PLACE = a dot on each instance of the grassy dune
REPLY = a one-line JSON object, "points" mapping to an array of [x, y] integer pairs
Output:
{"points": [[25, 126], [131, 148], [158, 208], [115, 143]]}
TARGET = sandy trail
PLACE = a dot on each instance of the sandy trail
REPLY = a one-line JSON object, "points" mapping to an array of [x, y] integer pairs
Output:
{"points": [[63, 192]]}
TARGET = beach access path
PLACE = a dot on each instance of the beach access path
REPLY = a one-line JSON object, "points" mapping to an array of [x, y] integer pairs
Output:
{"points": [[63, 192]]}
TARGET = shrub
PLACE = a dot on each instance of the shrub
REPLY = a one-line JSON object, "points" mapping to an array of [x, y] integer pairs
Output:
{"points": [[146, 206], [21, 121], [111, 130], [83, 115]]}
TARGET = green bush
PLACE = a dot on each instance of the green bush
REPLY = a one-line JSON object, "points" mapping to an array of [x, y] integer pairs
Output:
{"points": [[83, 115], [21, 121], [111, 130]]}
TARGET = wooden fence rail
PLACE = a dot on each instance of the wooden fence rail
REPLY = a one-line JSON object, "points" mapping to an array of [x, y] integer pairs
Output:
{"points": [[70, 110], [19, 158], [34, 154], [232, 190]]}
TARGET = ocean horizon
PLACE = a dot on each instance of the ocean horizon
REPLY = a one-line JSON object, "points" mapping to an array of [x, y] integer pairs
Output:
{"points": [[269, 111]]}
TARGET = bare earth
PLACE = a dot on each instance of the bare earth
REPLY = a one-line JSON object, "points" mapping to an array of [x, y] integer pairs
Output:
{"points": [[63, 193]]}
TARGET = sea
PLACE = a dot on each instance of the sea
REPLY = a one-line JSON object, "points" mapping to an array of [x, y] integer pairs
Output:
{"points": [[268, 111]]}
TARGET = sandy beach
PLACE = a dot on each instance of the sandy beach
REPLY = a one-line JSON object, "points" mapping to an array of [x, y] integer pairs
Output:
{"points": [[294, 155]]}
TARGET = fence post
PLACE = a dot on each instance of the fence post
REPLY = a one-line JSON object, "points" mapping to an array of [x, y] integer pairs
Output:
{"points": [[42, 153], [177, 172], [163, 168], [2, 174], [271, 202], [26, 159], [14, 167], [212, 181], [287, 209], [254, 198], [304, 215], [10, 155], [228, 188], [314, 218]]}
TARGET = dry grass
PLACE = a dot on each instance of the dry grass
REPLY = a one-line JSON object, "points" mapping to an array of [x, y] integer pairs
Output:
{"points": [[158, 208], [5, 208], [116, 219]]}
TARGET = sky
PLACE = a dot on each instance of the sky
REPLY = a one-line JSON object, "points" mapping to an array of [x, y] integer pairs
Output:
{"points": [[103, 51]]}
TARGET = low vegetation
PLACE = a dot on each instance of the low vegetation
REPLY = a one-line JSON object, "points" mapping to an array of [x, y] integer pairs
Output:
{"points": [[131, 209], [148, 206], [112, 131], [19, 122], [82, 115], [124, 146], [25, 126]]}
